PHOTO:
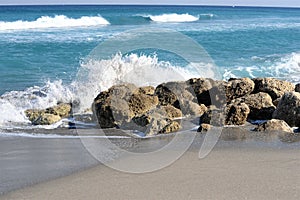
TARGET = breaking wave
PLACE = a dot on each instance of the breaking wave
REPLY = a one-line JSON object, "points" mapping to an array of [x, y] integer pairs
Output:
{"points": [[174, 18], [58, 21]]}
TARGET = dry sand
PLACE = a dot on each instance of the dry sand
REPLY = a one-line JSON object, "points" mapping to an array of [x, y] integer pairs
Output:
{"points": [[227, 173]]}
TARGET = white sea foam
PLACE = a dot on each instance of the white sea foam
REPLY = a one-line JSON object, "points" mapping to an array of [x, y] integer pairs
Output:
{"points": [[58, 21], [286, 67], [173, 17], [140, 70], [14, 103]]}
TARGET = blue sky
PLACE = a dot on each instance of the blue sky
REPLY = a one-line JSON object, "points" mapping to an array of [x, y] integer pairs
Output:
{"points": [[287, 3]]}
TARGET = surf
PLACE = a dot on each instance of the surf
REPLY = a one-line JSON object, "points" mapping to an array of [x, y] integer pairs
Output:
{"points": [[58, 21]]}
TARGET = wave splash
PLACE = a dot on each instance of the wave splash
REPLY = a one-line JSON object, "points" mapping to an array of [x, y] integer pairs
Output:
{"points": [[93, 77], [174, 18], [58, 21]]}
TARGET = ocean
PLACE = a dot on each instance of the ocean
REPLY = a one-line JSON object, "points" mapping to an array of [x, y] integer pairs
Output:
{"points": [[43, 48]]}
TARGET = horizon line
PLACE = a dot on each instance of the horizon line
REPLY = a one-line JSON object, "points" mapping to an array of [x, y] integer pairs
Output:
{"points": [[133, 4]]}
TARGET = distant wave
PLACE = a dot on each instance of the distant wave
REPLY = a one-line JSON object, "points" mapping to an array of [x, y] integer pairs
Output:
{"points": [[58, 21], [173, 17]]}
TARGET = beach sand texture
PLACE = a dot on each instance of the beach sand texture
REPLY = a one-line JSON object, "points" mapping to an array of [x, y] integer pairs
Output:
{"points": [[235, 172]]}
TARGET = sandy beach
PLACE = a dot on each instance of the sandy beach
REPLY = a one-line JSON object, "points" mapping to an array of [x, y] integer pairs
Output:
{"points": [[233, 170]]}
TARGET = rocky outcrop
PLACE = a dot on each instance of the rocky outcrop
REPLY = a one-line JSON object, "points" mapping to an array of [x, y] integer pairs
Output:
{"points": [[288, 109], [239, 87], [274, 125], [237, 114], [260, 104], [174, 93], [155, 121], [216, 103], [118, 105], [62, 110], [208, 91], [213, 116], [274, 87], [50, 115]]}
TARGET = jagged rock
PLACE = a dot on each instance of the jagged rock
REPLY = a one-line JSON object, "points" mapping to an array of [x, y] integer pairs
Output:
{"points": [[297, 87], [154, 122], [111, 107], [63, 110], [149, 90], [274, 125], [236, 114], [239, 87], [33, 114], [288, 109], [260, 104], [190, 108], [172, 112], [171, 127], [276, 102], [209, 92], [48, 116], [118, 105], [275, 88], [140, 103], [172, 93], [213, 116], [204, 127], [46, 119]]}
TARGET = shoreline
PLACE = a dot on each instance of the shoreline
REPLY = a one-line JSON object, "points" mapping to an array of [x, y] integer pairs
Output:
{"points": [[235, 170], [61, 161]]}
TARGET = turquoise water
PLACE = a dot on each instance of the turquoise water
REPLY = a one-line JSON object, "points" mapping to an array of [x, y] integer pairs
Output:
{"points": [[44, 46]]}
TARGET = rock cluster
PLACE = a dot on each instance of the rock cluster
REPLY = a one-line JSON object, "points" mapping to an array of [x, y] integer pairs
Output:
{"points": [[156, 110], [217, 103], [48, 116]]}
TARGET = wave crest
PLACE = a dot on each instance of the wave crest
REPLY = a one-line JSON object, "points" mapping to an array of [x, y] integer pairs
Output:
{"points": [[58, 21], [173, 18]]}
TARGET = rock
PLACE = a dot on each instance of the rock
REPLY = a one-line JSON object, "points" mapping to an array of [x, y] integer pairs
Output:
{"points": [[213, 116], [48, 116], [171, 127], [172, 112], [275, 88], [190, 108], [33, 114], [239, 87], [297, 87], [155, 122], [63, 110], [274, 125], [204, 127], [47, 119], [172, 93], [260, 104], [237, 114], [276, 102], [111, 107], [288, 109], [209, 92], [140, 103], [201, 87], [149, 90]]}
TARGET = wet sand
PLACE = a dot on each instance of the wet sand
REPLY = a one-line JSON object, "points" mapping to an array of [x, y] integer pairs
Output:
{"points": [[235, 169]]}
